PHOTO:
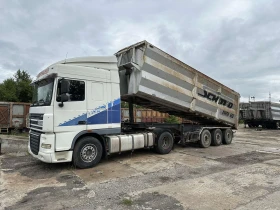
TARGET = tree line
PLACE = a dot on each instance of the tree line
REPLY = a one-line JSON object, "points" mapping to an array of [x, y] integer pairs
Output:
{"points": [[17, 88]]}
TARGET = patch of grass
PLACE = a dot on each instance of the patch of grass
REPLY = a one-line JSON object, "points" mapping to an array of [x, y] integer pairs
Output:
{"points": [[126, 201], [71, 167], [21, 134]]}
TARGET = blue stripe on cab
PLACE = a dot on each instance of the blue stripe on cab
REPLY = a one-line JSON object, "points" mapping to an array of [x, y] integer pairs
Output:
{"points": [[100, 118], [110, 115], [114, 114], [113, 111], [74, 121]]}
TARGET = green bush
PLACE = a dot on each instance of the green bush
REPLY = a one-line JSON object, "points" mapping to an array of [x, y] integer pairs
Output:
{"points": [[172, 119]]}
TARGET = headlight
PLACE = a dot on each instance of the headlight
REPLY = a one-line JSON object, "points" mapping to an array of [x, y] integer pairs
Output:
{"points": [[46, 146]]}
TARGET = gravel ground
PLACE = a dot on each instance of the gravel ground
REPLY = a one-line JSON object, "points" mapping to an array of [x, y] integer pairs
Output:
{"points": [[243, 175]]}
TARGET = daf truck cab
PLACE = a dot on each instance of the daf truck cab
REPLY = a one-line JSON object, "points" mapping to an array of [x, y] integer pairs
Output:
{"points": [[73, 99]]}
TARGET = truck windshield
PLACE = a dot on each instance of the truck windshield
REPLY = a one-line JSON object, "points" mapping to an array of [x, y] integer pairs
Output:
{"points": [[42, 95]]}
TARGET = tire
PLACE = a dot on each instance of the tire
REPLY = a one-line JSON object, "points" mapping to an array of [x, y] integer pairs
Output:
{"points": [[227, 136], [275, 126], [205, 139], [217, 137], [165, 143], [87, 152]]}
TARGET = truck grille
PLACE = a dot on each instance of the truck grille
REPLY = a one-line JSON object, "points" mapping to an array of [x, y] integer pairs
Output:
{"points": [[34, 121], [36, 116], [34, 141]]}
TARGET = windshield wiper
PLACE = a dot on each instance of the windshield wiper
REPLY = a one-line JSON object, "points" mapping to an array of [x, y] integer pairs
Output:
{"points": [[34, 103], [41, 102]]}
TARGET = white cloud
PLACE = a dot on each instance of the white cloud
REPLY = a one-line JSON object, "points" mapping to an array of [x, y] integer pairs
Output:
{"points": [[235, 42]]}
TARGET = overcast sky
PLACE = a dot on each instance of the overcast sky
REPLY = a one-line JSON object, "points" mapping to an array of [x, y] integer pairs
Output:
{"points": [[234, 42]]}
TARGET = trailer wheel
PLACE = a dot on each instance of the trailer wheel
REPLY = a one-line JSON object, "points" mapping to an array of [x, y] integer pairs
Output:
{"points": [[87, 152], [227, 136], [274, 125], [217, 137], [164, 143], [205, 139]]}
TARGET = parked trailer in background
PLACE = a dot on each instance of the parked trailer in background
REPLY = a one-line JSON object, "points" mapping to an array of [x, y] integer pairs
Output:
{"points": [[260, 113], [76, 114], [144, 115], [13, 115], [149, 115]]}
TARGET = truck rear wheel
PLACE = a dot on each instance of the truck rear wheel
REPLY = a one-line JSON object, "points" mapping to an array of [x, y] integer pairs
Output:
{"points": [[205, 139], [217, 137], [227, 136], [165, 143], [87, 152]]}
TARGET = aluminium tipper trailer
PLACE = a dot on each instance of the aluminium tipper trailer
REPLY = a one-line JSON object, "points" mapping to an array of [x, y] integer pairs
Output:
{"points": [[151, 78], [154, 79]]}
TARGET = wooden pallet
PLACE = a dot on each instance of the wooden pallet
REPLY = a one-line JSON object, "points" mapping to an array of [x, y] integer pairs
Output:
{"points": [[4, 130]]}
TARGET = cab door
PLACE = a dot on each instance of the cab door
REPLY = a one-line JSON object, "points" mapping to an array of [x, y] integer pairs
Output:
{"points": [[97, 104], [71, 118]]}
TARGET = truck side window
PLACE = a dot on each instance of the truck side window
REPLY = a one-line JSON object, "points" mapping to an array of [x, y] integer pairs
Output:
{"points": [[76, 92]]}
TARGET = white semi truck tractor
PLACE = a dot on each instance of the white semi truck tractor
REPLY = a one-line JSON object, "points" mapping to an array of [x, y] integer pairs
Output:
{"points": [[76, 110]]}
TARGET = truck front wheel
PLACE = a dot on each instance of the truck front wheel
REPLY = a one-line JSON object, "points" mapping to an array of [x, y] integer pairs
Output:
{"points": [[205, 139], [87, 152]]}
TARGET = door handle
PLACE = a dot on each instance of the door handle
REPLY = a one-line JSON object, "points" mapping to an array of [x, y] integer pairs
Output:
{"points": [[82, 122]]}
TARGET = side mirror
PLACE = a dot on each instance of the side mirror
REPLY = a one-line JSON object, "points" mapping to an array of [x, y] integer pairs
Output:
{"points": [[65, 86], [63, 98]]}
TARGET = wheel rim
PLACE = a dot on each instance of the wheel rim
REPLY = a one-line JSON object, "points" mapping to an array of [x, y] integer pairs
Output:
{"points": [[88, 153], [165, 142], [206, 139], [218, 137], [228, 136]]}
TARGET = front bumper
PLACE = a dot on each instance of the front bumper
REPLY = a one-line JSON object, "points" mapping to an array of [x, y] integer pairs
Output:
{"points": [[54, 157], [49, 155], [45, 157]]}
